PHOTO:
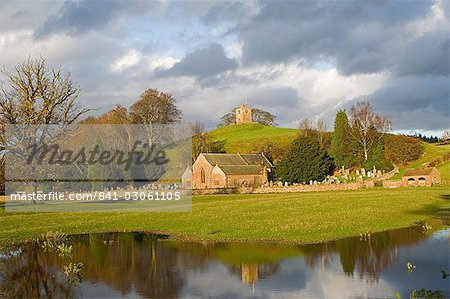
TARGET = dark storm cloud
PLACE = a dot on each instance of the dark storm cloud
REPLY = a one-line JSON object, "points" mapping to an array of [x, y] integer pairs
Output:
{"points": [[283, 102], [202, 63], [414, 93], [79, 17], [428, 55], [226, 11], [413, 102], [274, 97], [355, 37], [226, 81], [361, 36]]}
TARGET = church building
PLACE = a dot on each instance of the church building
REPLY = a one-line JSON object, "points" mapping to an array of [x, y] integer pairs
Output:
{"points": [[230, 170]]}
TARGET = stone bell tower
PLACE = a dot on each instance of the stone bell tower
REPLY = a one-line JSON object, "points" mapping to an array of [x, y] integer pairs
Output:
{"points": [[244, 115]]}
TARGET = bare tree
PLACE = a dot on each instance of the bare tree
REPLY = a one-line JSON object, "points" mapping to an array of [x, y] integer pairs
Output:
{"points": [[155, 107], [198, 128], [122, 135], [258, 116], [37, 95], [228, 119], [321, 127], [263, 117], [33, 94], [305, 125], [202, 142], [313, 129], [367, 127]]}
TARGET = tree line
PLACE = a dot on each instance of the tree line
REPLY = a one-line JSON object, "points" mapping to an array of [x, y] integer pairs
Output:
{"points": [[36, 94], [358, 140]]}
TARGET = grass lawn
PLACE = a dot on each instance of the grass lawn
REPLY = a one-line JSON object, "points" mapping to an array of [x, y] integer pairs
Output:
{"points": [[444, 169], [295, 217], [242, 138]]}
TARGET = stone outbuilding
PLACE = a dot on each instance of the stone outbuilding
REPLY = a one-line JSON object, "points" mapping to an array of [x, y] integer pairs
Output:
{"points": [[230, 170], [424, 177]]}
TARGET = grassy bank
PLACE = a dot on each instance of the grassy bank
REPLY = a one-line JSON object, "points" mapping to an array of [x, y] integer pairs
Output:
{"points": [[445, 173], [300, 217], [431, 152], [242, 138]]}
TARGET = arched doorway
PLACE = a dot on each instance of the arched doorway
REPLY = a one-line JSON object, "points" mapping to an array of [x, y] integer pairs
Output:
{"points": [[411, 182], [422, 181]]}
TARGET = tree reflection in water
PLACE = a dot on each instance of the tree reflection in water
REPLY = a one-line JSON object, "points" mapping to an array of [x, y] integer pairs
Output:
{"points": [[155, 268], [370, 255], [26, 274]]}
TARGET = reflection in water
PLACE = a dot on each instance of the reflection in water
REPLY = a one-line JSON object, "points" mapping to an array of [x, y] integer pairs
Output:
{"points": [[370, 255], [146, 265], [27, 275]]}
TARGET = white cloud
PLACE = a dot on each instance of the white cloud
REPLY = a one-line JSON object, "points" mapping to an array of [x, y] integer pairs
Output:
{"points": [[130, 59], [165, 62]]}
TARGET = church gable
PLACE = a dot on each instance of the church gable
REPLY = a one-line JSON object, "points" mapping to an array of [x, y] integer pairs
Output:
{"points": [[212, 170]]}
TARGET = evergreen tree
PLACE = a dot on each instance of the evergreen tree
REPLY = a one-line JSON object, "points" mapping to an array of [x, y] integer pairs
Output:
{"points": [[305, 160], [340, 142]]}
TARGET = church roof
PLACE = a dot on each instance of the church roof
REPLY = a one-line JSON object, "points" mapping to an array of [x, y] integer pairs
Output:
{"points": [[237, 160], [241, 169], [418, 171]]}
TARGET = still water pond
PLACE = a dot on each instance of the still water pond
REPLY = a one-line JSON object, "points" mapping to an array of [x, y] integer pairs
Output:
{"points": [[138, 265]]}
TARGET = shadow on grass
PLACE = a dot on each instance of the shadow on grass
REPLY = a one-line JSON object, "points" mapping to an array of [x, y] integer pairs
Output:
{"points": [[435, 210], [445, 196], [429, 210]]}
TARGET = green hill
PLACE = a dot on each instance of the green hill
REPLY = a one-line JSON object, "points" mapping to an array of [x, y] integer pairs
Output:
{"points": [[430, 152], [242, 138]]}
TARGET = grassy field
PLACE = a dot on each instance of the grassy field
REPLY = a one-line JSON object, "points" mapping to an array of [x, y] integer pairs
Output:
{"points": [[242, 138], [299, 217], [431, 151], [445, 173]]}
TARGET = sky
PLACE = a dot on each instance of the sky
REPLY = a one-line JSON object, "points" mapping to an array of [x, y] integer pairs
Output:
{"points": [[295, 59]]}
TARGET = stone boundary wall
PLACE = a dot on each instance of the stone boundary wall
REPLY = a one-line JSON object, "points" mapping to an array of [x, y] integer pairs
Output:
{"points": [[297, 188], [438, 161], [211, 191], [314, 188], [389, 174]]}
